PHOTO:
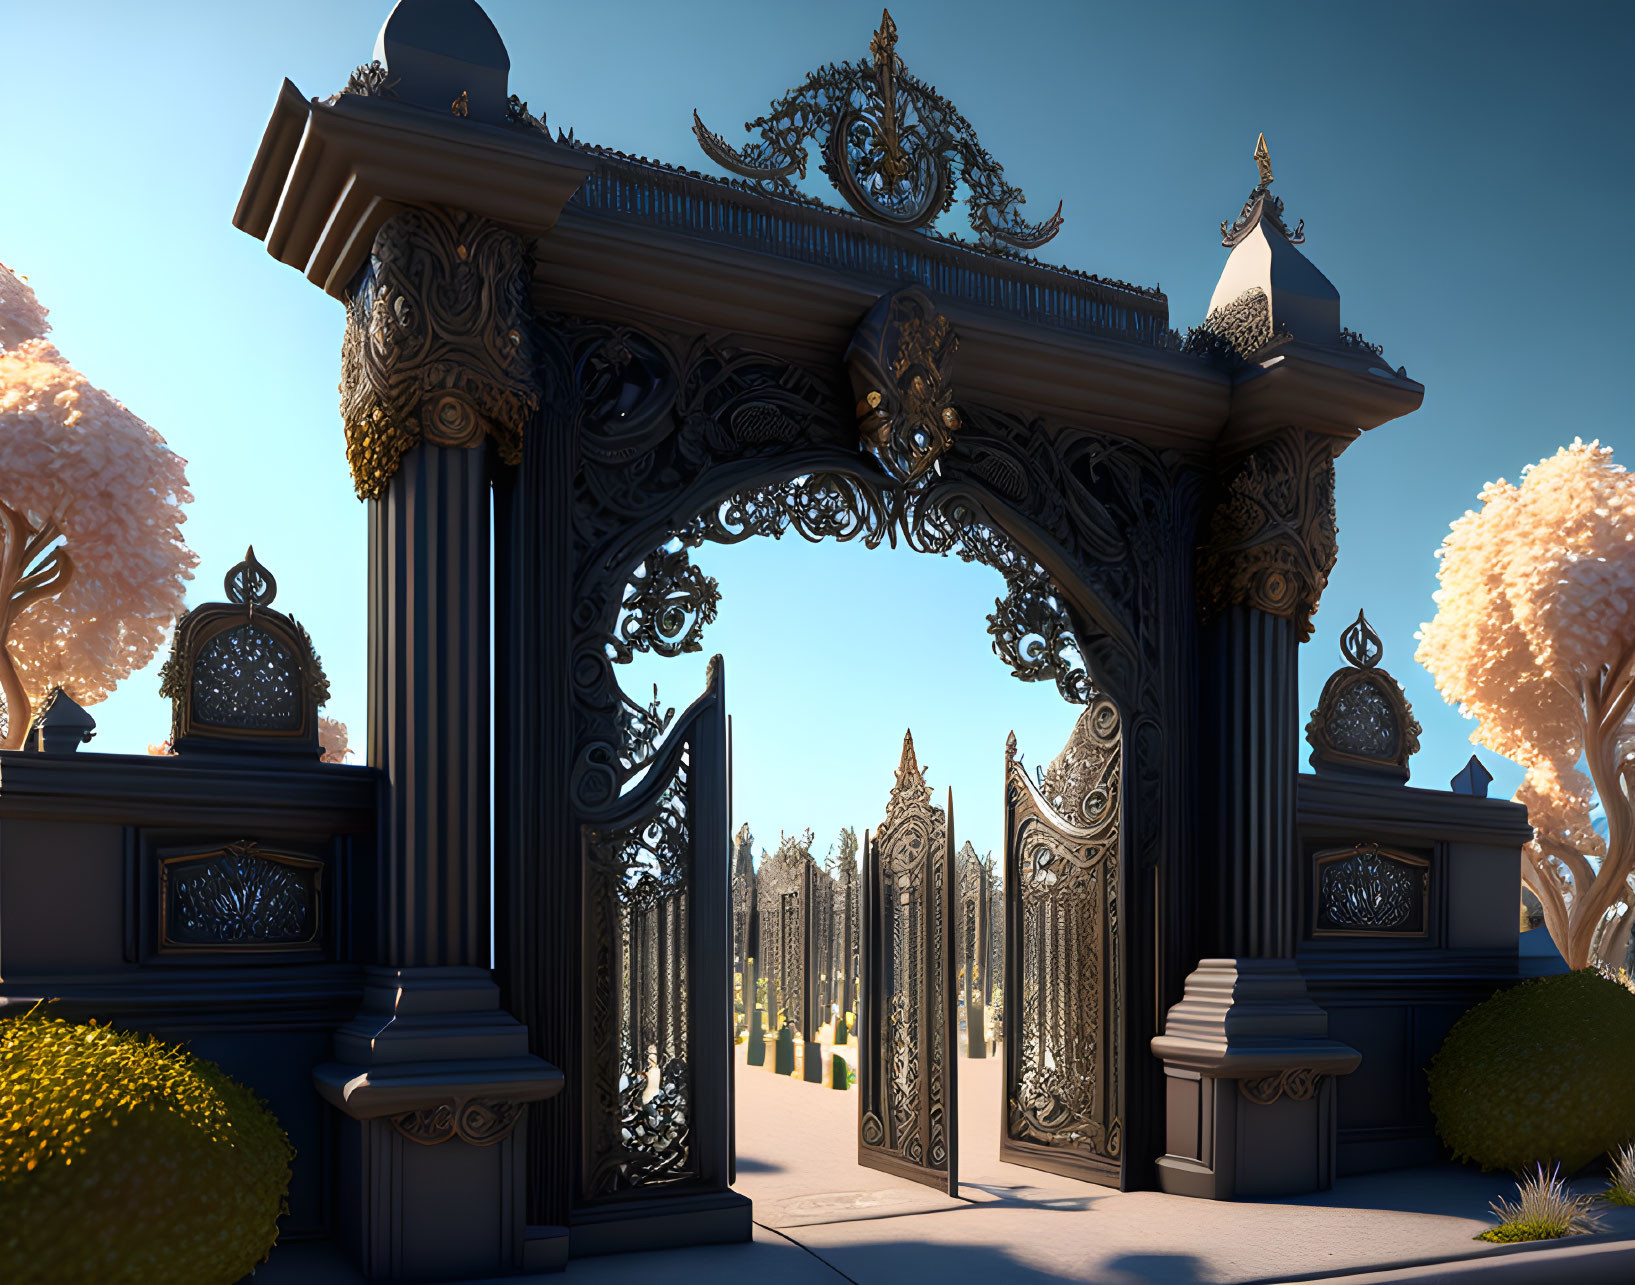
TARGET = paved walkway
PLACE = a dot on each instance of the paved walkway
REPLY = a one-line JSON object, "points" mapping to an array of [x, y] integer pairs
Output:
{"points": [[823, 1218]]}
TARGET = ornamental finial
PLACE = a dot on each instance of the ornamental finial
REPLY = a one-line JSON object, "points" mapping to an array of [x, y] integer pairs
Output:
{"points": [[1263, 161], [1261, 206]]}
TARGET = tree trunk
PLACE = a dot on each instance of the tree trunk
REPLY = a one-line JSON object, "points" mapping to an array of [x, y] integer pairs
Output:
{"points": [[18, 708]]}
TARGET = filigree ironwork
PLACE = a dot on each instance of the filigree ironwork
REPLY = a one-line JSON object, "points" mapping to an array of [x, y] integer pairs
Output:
{"points": [[1271, 539], [641, 728], [901, 362], [893, 147], [240, 671], [755, 444], [638, 879], [907, 1116], [438, 345], [1363, 722], [1031, 635], [666, 608], [1370, 890], [1062, 848], [1298, 1084], [239, 897], [482, 1122], [1261, 206]]}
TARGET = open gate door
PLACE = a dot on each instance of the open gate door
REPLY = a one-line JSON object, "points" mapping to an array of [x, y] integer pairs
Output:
{"points": [[656, 1047], [907, 1106], [1063, 1107]]}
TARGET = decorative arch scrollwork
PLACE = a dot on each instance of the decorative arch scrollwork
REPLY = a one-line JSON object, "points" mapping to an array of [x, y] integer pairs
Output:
{"points": [[688, 441]]}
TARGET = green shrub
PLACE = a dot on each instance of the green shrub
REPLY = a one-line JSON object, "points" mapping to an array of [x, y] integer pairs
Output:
{"points": [[123, 1159], [1621, 1189], [1538, 1073]]}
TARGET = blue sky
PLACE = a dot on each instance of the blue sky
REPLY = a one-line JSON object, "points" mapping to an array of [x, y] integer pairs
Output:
{"points": [[1464, 170]]}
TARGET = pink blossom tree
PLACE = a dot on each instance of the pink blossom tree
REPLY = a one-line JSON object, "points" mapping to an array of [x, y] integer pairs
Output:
{"points": [[1534, 637], [92, 561]]}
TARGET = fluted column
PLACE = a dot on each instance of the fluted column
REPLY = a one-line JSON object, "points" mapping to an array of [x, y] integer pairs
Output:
{"points": [[1248, 1063], [433, 1077], [1265, 557], [429, 706]]}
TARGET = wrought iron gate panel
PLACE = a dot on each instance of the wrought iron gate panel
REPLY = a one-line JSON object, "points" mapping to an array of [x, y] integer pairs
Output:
{"points": [[655, 1048], [975, 927], [745, 914], [907, 1100], [1063, 1030], [785, 893]]}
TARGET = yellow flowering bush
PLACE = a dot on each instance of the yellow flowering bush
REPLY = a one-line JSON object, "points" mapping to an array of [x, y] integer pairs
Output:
{"points": [[125, 1160]]}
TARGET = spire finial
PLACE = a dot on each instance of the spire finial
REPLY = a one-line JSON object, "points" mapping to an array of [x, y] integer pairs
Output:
{"points": [[1263, 159]]}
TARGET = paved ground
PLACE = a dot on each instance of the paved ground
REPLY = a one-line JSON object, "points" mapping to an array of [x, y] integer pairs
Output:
{"points": [[823, 1218]]}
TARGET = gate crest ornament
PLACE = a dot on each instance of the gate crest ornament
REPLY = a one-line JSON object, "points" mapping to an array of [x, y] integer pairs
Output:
{"points": [[891, 146], [901, 359], [1363, 721], [243, 675]]}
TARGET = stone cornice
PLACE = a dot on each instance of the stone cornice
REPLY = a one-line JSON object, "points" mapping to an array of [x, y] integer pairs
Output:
{"points": [[1324, 390], [1380, 810], [328, 175], [153, 790]]}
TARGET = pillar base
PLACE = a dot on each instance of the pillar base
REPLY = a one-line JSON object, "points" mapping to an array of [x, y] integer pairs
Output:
{"points": [[755, 1049], [1249, 1084], [432, 1080], [811, 1061]]}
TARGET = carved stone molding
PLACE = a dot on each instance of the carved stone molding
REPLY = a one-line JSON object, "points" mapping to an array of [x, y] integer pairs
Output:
{"points": [[1270, 541], [1363, 722], [901, 362], [438, 343], [1298, 1084], [480, 1122]]}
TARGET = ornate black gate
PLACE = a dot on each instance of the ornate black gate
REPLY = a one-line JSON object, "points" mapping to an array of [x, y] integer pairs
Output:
{"points": [[1063, 980], [654, 1046], [785, 894], [975, 930], [907, 1104]]}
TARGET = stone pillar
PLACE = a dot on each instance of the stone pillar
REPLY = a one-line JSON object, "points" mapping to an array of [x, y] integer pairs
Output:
{"points": [[432, 1077], [1247, 1060]]}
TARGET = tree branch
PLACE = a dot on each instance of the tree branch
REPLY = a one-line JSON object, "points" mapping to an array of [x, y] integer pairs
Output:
{"points": [[50, 577]]}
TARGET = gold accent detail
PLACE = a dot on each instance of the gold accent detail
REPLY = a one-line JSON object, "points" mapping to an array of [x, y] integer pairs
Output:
{"points": [[461, 106], [1263, 161], [437, 344], [901, 361]]}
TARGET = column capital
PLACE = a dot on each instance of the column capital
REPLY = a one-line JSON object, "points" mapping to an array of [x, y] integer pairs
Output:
{"points": [[1270, 541], [438, 344]]}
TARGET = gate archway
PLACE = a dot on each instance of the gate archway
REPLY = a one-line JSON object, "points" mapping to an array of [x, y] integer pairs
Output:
{"points": [[637, 345]]}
